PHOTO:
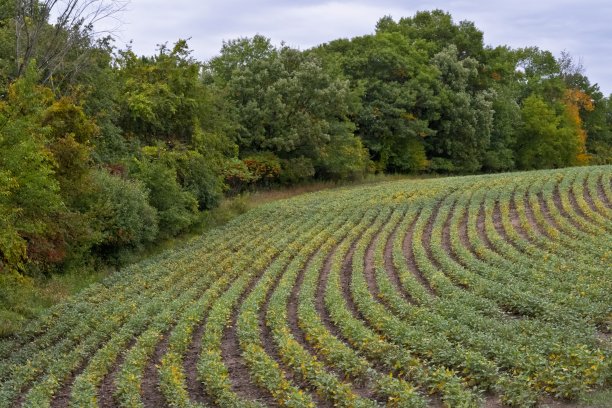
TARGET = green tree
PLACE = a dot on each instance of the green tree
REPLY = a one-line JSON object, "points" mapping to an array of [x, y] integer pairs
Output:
{"points": [[177, 209], [438, 30], [286, 102], [121, 212], [463, 119], [159, 96], [30, 195], [544, 141], [396, 84]]}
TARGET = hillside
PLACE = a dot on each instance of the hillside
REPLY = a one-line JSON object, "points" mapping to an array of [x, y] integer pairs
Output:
{"points": [[463, 291]]}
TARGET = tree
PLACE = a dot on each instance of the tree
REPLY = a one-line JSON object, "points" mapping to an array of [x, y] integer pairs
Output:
{"points": [[57, 47], [544, 141], [30, 195], [463, 118], [286, 102], [396, 84], [438, 30], [159, 96]]}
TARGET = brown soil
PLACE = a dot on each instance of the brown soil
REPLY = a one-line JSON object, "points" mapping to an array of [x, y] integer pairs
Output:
{"points": [[564, 212], [62, 397], [324, 315], [150, 392], [446, 236], [357, 387], [242, 383], [498, 226], [292, 308], [269, 346], [369, 272], [106, 397], [345, 282], [601, 194], [586, 194], [515, 220], [428, 232], [463, 232], [194, 387], [320, 295], [529, 212]]}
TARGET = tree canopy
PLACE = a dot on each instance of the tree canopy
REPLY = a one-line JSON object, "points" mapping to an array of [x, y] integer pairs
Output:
{"points": [[105, 151]]}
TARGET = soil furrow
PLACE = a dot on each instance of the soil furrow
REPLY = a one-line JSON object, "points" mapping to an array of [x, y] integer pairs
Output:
{"points": [[106, 391], [320, 295], [62, 398], [242, 383], [267, 340], [190, 367], [564, 212], [150, 392], [588, 198], [428, 232], [411, 262], [446, 236], [345, 281], [601, 193], [369, 263], [292, 318]]}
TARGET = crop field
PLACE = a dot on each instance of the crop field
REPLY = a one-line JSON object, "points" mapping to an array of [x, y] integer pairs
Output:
{"points": [[459, 292]]}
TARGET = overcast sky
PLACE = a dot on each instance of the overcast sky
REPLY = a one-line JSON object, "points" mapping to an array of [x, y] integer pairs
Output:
{"points": [[583, 28]]}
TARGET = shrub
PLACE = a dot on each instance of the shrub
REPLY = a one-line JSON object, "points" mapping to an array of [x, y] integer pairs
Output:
{"points": [[296, 170], [265, 168], [197, 176], [343, 158], [237, 176], [122, 213], [177, 209]]}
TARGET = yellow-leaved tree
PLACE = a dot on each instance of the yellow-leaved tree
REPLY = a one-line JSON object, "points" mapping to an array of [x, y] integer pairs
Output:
{"points": [[576, 100]]}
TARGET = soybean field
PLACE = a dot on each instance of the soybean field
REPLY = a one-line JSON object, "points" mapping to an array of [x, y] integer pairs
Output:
{"points": [[473, 291]]}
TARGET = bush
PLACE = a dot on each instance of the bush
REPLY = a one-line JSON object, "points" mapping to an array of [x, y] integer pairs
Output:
{"points": [[197, 176], [296, 170], [122, 213], [343, 159], [265, 168], [237, 176], [177, 209]]}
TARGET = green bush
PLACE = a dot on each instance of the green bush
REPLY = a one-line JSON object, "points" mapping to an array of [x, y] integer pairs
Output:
{"points": [[344, 158], [197, 176], [122, 213], [296, 170], [237, 176], [177, 209]]}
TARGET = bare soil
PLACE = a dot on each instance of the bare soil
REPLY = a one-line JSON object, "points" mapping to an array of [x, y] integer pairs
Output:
{"points": [[106, 397]]}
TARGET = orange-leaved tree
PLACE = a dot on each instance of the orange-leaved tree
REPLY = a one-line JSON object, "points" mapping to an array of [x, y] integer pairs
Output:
{"points": [[576, 100]]}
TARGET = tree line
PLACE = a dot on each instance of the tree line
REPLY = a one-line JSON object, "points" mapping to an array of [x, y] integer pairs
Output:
{"points": [[103, 151]]}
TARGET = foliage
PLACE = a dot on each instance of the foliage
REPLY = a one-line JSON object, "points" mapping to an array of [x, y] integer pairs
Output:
{"points": [[264, 167], [160, 94], [446, 288], [30, 194], [544, 141], [104, 152], [122, 213], [286, 102], [296, 170], [177, 209]]}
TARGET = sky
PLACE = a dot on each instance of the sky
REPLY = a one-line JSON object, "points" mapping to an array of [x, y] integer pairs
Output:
{"points": [[582, 28]]}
